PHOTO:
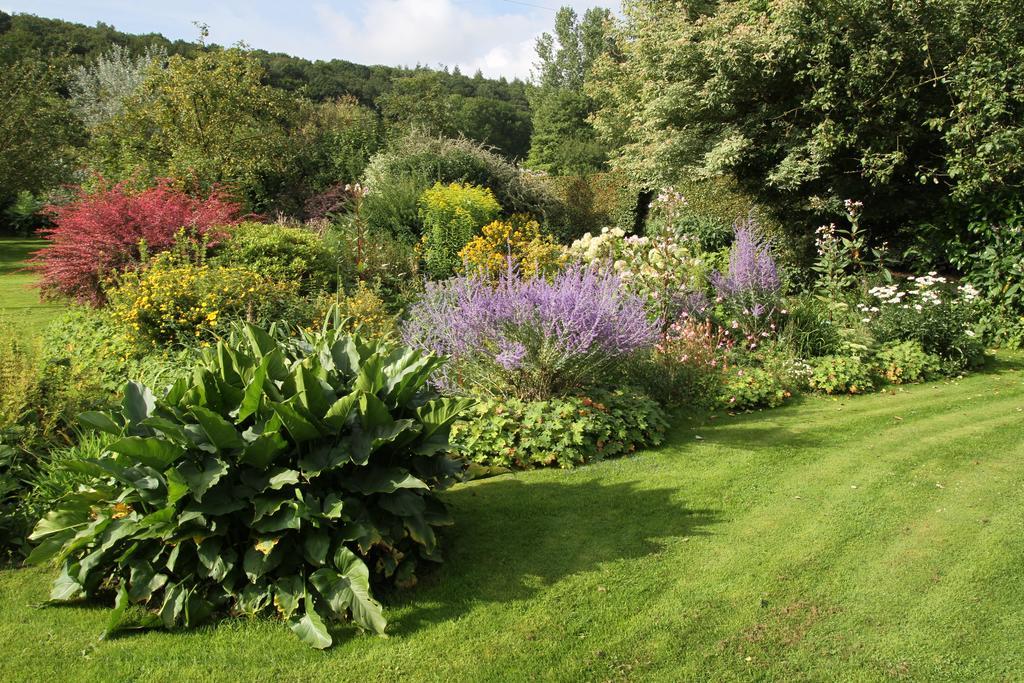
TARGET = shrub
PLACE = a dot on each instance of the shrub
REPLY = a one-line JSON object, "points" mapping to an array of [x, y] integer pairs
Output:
{"points": [[281, 252], [561, 431], [452, 215], [517, 242], [179, 303], [810, 327], [753, 387], [529, 338], [593, 201], [840, 375], [100, 234], [421, 161], [283, 477], [928, 310], [388, 264], [687, 365], [367, 314], [904, 362]]}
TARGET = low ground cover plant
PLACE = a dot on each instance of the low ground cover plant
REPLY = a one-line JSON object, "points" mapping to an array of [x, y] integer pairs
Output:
{"points": [[287, 476]]}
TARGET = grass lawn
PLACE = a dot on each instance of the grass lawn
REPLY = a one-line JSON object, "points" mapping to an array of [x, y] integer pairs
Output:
{"points": [[19, 300], [865, 538]]}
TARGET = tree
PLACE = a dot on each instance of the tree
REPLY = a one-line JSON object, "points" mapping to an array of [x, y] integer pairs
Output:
{"points": [[207, 121], [916, 108], [99, 90], [563, 139], [36, 129]]}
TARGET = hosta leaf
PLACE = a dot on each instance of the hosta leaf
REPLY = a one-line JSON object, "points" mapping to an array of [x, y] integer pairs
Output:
{"points": [[267, 505], [201, 477], [403, 503], [215, 562], [66, 587], [138, 402], [332, 506], [174, 605], [116, 616], [437, 417], [219, 431], [287, 517], [256, 562], [254, 389], [260, 342], [374, 413], [325, 458], [348, 589], [169, 429], [369, 378], [101, 422], [176, 486], [346, 356], [73, 514], [315, 546], [298, 426], [311, 393], [150, 451], [364, 443], [310, 628], [337, 415], [144, 581], [261, 452], [382, 480], [288, 593]]}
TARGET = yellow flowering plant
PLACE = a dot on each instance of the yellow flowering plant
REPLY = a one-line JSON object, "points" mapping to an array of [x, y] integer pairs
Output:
{"points": [[452, 215], [176, 302], [519, 240]]}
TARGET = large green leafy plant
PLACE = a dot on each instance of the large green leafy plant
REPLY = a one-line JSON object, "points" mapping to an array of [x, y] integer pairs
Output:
{"points": [[286, 475]]}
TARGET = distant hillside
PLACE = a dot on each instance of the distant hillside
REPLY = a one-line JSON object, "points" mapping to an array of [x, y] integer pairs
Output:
{"points": [[494, 111]]}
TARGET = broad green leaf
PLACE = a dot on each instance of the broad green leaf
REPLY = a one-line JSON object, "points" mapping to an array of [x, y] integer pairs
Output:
{"points": [[256, 562], [315, 545], [219, 431], [287, 517], [116, 617], [261, 452], [138, 402], [150, 450], [298, 426], [201, 477], [254, 390], [174, 605], [66, 587], [311, 393], [260, 342], [215, 562], [370, 379], [348, 589], [288, 593], [101, 422], [268, 505], [332, 506], [437, 417], [325, 458], [369, 480], [176, 486], [310, 628], [337, 415], [144, 581]]}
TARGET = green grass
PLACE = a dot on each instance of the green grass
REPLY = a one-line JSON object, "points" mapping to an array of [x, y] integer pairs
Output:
{"points": [[865, 538], [19, 299]]}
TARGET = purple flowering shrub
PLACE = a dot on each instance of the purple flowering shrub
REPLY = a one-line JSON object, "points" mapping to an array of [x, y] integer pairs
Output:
{"points": [[750, 291], [529, 338]]}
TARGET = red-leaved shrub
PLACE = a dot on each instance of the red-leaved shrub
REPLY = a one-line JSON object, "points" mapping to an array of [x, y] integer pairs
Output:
{"points": [[98, 234]]}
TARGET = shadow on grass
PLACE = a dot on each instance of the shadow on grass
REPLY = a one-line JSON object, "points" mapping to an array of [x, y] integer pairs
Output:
{"points": [[14, 253], [512, 540]]}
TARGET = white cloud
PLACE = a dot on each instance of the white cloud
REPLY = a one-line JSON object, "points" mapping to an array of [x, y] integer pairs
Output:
{"points": [[407, 32]]}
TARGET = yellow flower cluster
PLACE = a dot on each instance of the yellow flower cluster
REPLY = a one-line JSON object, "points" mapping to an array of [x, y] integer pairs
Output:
{"points": [[518, 239], [185, 303], [367, 314]]}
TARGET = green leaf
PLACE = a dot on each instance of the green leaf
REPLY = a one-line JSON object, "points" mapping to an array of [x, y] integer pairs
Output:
{"points": [[369, 480], [348, 589], [315, 545], [256, 562], [201, 478], [254, 390], [287, 517], [288, 593], [214, 562], [101, 422], [332, 506], [138, 402], [116, 618], [325, 458], [174, 605], [144, 581], [370, 379], [310, 628], [261, 452], [150, 450], [221, 433], [311, 393], [337, 415], [298, 426], [66, 587]]}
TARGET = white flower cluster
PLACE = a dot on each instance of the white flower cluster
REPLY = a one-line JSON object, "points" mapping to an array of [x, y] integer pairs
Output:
{"points": [[923, 290]]}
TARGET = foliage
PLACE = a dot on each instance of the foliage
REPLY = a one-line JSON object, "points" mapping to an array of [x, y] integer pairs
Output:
{"points": [[563, 139], [425, 160], [340, 138], [289, 254], [592, 201], [390, 265], [751, 386], [807, 103], [687, 365], [516, 242], [208, 121], [529, 338], [101, 233], [928, 310], [25, 214], [840, 375], [905, 362], [99, 90], [452, 215], [660, 269], [36, 129], [810, 327], [174, 302], [560, 431], [367, 314], [280, 478]]}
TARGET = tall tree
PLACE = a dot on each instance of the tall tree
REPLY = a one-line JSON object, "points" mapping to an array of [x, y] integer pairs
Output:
{"points": [[563, 139]]}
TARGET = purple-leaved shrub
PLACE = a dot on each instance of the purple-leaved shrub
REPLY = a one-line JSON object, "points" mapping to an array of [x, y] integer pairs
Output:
{"points": [[529, 338]]}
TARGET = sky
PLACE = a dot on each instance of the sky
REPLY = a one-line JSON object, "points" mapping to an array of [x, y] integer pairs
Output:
{"points": [[495, 36]]}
